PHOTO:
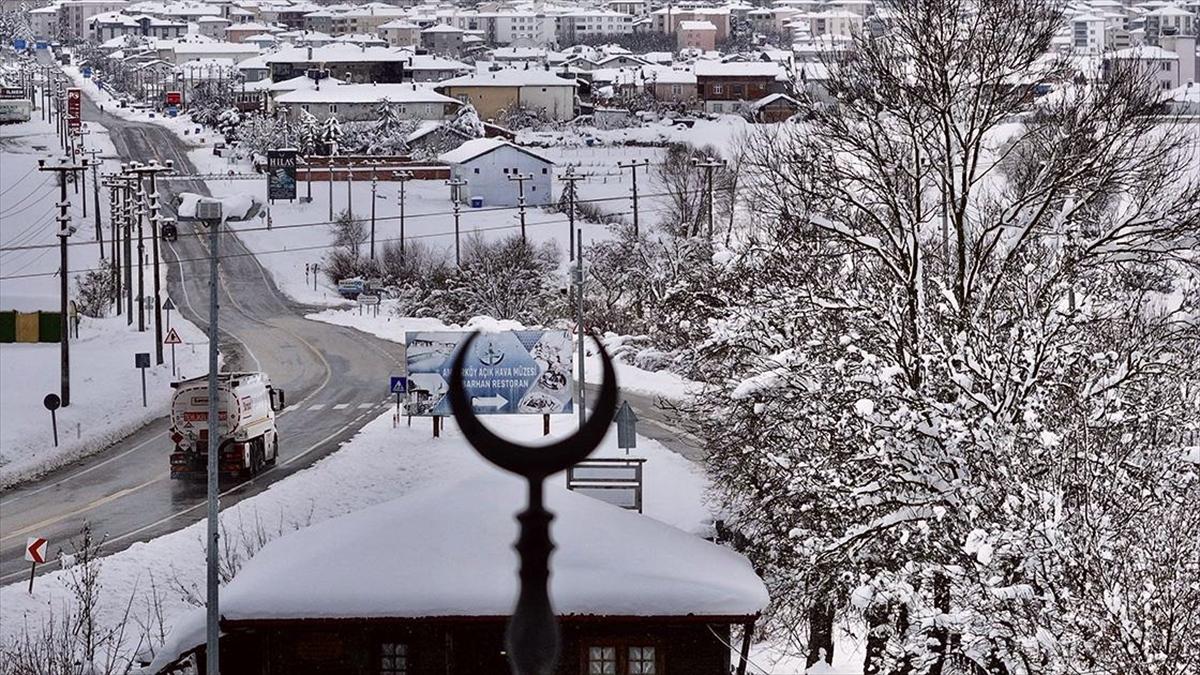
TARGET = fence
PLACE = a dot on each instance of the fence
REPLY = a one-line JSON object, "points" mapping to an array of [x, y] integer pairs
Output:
{"points": [[30, 326]]}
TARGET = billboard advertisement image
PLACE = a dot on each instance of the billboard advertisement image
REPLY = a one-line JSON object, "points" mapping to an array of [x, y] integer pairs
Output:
{"points": [[514, 372], [281, 174]]}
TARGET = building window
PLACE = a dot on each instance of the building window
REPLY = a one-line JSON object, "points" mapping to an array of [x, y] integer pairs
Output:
{"points": [[477, 170], [393, 658], [332, 107], [544, 171], [641, 661], [717, 89], [602, 661]]}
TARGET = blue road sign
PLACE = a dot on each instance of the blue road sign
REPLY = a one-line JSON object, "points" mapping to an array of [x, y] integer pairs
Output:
{"points": [[19, 44], [516, 372], [399, 385], [42, 45], [86, 71]]}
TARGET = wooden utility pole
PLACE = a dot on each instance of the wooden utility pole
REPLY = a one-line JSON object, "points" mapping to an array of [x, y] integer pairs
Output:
{"points": [[633, 166], [153, 169], [708, 165], [374, 186], [570, 179], [403, 177], [520, 178], [65, 229], [455, 187], [95, 196]]}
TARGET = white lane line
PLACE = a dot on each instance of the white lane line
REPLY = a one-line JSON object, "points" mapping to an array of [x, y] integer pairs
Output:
{"points": [[317, 406], [83, 509], [65, 479], [341, 406], [364, 406]]}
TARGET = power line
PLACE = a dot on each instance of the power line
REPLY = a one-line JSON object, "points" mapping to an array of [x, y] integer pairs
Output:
{"points": [[316, 247], [431, 214]]}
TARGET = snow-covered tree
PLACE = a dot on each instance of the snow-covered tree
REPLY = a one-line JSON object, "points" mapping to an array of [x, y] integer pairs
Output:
{"points": [[466, 122], [957, 358], [331, 135], [308, 132], [228, 122]]}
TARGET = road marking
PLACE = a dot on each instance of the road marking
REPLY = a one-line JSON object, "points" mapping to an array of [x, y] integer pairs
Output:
{"points": [[317, 406], [364, 406], [341, 406], [139, 446], [83, 509]]}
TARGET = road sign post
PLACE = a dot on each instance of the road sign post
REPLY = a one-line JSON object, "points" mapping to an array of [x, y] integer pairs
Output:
{"points": [[626, 427], [52, 402], [172, 339], [141, 361], [35, 552]]}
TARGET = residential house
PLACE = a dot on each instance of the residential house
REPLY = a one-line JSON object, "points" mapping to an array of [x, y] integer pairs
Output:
{"points": [[360, 102], [239, 32], [775, 108], [400, 33], [433, 580], [443, 40], [493, 92], [576, 26], [74, 16], [354, 64], [700, 35], [1169, 20], [212, 26], [725, 86], [1159, 64], [183, 52], [673, 85]]}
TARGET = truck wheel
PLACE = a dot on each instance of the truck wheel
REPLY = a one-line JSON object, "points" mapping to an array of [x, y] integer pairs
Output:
{"points": [[274, 451]]}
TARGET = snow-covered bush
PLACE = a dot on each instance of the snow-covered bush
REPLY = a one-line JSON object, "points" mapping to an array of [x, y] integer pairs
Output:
{"points": [[95, 292]]}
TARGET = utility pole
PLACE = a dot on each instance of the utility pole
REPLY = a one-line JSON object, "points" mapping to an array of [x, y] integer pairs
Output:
{"points": [[329, 169], [350, 191], [210, 212], [579, 325], [95, 196], [130, 206], [374, 185], [141, 246], [570, 179], [634, 167], [403, 177], [455, 188], [520, 178], [115, 184], [65, 229], [153, 169], [708, 165]]}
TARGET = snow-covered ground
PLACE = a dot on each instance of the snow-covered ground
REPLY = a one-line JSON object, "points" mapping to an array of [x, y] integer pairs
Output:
{"points": [[105, 386], [382, 462], [188, 131]]}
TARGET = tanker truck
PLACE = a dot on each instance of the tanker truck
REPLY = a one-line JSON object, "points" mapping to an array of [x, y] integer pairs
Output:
{"points": [[246, 407]]}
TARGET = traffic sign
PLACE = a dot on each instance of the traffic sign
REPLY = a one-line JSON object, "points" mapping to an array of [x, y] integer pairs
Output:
{"points": [[368, 299], [141, 360], [35, 549], [52, 402], [398, 384], [172, 338], [168, 305], [626, 427]]}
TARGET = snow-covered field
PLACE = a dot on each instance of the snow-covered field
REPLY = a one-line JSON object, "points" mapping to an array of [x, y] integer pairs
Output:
{"points": [[105, 386]]}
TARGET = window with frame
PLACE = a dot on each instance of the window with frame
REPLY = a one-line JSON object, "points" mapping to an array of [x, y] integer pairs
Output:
{"points": [[602, 661], [393, 658], [718, 89], [641, 661]]}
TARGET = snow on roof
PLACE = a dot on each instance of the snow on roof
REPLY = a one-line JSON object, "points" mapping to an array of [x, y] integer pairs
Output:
{"points": [[303, 82], [442, 28], [481, 146], [509, 77], [448, 551], [214, 47], [772, 98], [747, 69], [399, 23], [213, 19], [339, 53], [365, 93], [1145, 52], [697, 25]]}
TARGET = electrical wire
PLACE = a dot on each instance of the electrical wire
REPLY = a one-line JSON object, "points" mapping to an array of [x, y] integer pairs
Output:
{"points": [[412, 216]]}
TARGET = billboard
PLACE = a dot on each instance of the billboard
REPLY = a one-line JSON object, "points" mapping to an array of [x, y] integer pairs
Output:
{"points": [[514, 372], [173, 98], [74, 116], [281, 174]]}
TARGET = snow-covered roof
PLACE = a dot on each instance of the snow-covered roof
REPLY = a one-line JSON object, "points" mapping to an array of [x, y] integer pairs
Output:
{"points": [[772, 98], [339, 53], [400, 24], [302, 82], [448, 552], [1145, 52], [442, 28], [509, 77], [482, 146], [747, 69], [697, 25], [365, 93]]}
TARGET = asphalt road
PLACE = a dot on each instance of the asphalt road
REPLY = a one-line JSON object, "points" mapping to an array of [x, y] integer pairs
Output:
{"points": [[335, 379]]}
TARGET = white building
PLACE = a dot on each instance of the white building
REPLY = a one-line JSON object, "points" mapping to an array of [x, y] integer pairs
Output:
{"points": [[1088, 33], [574, 27], [487, 163], [360, 102], [1159, 64]]}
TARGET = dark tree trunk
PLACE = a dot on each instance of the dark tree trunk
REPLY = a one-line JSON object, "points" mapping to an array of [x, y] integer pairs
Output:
{"points": [[820, 632], [877, 635], [902, 630], [941, 600]]}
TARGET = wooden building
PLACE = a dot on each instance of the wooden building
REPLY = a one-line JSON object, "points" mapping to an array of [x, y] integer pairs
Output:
{"points": [[423, 585]]}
